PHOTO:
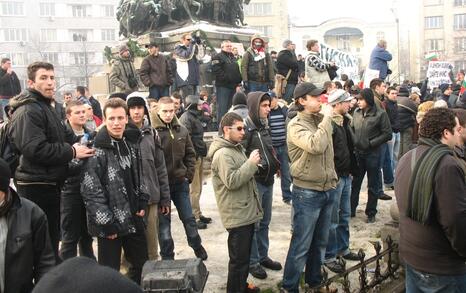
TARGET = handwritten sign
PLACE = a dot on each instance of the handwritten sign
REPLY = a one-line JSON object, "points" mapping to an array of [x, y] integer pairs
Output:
{"points": [[347, 64], [439, 73]]}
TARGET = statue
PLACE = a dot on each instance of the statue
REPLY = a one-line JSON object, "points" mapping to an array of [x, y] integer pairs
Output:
{"points": [[138, 17]]}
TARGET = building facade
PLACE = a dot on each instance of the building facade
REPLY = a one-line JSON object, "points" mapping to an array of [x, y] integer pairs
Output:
{"points": [[70, 34]]}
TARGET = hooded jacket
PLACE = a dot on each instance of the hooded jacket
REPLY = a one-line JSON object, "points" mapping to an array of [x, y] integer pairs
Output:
{"points": [[28, 252], [191, 119], [110, 206], [258, 137], [310, 147], [9, 84], [235, 189], [255, 67], [156, 71], [180, 157], [41, 139], [407, 111], [122, 70]]}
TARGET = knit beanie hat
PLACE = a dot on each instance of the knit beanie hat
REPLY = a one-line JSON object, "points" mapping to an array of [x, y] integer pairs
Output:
{"points": [[135, 101], [5, 175], [443, 87], [368, 96], [239, 98], [84, 275]]}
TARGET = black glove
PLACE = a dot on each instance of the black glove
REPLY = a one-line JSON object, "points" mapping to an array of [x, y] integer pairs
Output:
{"points": [[389, 71]]}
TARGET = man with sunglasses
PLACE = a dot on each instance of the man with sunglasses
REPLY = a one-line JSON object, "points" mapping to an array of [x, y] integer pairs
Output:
{"points": [[237, 197]]}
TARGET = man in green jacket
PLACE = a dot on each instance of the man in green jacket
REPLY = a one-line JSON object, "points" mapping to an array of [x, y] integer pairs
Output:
{"points": [[237, 197]]}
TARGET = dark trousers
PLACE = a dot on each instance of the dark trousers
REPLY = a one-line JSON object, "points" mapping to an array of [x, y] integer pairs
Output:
{"points": [[224, 99], [135, 247], [370, 163], [47, 197], [239, 250], [74, 227]]}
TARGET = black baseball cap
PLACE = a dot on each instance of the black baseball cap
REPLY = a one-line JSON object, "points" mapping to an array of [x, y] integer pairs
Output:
{"points": [[307, 88]]}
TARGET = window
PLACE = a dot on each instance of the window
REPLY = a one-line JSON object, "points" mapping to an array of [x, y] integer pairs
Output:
{"points": [[343, 42], [79, 11], [108, 35], [434, 45], [380, 36], [459, 21], [265, 30], [12, 8], [14, 34], [51, 57], [258, 9], [460, 64], [459, 2], [18, 59], [47, 9], [107, 11], [460, 45], [78, 58], [433, 22], [48, 35], [80, 35]]}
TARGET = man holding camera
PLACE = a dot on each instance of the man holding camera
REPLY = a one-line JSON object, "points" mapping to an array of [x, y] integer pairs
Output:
{"points": [[123, 75], [187, 65]]}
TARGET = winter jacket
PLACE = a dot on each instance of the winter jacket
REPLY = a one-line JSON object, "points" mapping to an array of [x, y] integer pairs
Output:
{"points": [[407, 111], [241, 110], [41, 139], [342, 145], [187, 71], [96, 109], [226, 70], [9, 84], [178, 149], [310, 147], [28, 252], [191, 119], [258, 71], [391, 107], [378, 61], [258, 137], [122, 71], [60, 111], [370, 129], [438, 247], [110, 206], [156, 71], [287, 61], [234, 187], [316, 69], [154, 175]]}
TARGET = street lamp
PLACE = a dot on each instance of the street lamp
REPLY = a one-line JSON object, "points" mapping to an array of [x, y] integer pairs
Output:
{"points": [[397, 20]]}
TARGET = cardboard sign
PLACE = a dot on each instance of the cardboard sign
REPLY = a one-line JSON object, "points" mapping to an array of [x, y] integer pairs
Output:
{"points": [[347, 64], [439, 73]]}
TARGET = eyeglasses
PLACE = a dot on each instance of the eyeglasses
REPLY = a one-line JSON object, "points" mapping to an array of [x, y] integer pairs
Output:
{"points": [[239, 128]]}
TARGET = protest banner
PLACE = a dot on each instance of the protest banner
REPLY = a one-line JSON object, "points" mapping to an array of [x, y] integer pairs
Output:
{"points": [[439, 73], [347, 64]]}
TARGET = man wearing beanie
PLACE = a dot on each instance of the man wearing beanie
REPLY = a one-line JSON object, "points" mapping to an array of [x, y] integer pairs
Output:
{"points": [[239, 105], [258, 138], [287, 66], [155, 176], [123, 75], [25, 250], [370, 130], [446, 91]]}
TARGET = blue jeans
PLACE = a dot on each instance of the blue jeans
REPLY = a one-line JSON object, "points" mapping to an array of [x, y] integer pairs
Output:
{"points": [[260, 240], [311, 223], [370, 163], [258, 86], [289, 90], [224, 98], [179, 194], [338, 239], [285, 177], [387, 164], [394, 148], [156, 92], [418, 282]]}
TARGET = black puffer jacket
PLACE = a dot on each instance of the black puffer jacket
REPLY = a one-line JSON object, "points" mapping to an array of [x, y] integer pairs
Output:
{"points": [[28, 252], [110, 206], [370, 129], [407, 111], [286, 61], [9, 84], [258, 137], [178, 149], [191, 119], [226, 70], [41, 138]]}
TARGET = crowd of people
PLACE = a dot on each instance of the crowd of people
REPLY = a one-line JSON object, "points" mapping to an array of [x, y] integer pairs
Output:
{"points": [[84, 172]]}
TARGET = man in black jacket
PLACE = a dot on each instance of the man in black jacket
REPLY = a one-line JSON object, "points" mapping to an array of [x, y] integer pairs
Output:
{"points": [[192, 119], [258, 137], [370, 129], [9, 85], [44, 145], [227, 78], [25, 250], [287, 65]]}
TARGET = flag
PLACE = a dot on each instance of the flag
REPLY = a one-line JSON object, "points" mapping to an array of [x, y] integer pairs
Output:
{"points": [[431, 57]]}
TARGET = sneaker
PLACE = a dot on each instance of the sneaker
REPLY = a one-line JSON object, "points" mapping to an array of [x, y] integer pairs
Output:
{"points": [[257, 272], [370, 219], [351, 256], [335, 267], [385, 197], [270, 264], [205, 220], [201, 253], [252, 289], [201, 225]]}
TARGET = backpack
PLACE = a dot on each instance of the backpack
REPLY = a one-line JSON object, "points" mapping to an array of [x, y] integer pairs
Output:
{"points": [[7, 150]]}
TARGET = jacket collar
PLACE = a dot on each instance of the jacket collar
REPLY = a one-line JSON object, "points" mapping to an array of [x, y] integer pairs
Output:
{"points": [[104, 140], [157, 123], [312, 118]]}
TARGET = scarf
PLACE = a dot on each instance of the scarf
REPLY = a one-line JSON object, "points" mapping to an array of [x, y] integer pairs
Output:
{"points": [[421, 183]]}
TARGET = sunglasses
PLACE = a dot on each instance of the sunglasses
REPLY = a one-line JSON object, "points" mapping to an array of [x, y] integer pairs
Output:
{"points": [[188, 39], [239, 128]]}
